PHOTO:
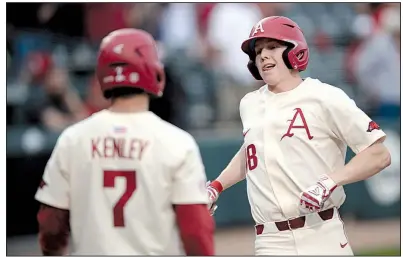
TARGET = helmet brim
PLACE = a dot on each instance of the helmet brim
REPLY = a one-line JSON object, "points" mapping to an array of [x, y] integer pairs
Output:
{"points": [[248, 46]]}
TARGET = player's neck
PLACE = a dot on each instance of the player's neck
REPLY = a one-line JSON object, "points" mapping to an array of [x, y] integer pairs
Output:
{"points": [[287, 84], [138, 103]]}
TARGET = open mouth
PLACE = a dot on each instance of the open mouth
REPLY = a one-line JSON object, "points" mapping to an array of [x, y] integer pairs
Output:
{"points": [[268, 66]]}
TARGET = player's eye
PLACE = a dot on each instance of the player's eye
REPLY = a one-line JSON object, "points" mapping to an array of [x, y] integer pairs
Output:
{"points": [[258, 50]]}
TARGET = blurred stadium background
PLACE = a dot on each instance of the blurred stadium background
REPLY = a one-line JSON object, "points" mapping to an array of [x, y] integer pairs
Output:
{"points": [[51, 53]]}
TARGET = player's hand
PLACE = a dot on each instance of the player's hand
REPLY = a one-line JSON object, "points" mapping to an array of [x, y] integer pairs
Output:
{"points": [[314, 197], [213, 195]]}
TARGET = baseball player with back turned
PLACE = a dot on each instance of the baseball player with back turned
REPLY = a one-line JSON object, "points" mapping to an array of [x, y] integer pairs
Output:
{"points": [[296, 133], [114, 180]]}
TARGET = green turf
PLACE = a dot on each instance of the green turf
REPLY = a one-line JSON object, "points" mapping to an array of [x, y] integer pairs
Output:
{"points": [[382, 252]]}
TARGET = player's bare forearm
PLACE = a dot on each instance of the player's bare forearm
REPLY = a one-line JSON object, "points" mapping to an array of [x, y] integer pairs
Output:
{"points": [[364, 165], [54, 229], [235, 170]]}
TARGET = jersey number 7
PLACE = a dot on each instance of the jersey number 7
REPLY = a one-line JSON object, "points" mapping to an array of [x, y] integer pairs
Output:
{"points": [[109, 181]]}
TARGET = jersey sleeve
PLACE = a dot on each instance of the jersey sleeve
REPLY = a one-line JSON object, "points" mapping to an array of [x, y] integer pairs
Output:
{"points": [[242, 109], [189, 179], [54, 188], [349, 123]]}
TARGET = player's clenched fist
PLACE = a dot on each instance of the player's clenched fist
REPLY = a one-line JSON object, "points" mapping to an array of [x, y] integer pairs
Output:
{"points": [[213, 189], [314, 197]]}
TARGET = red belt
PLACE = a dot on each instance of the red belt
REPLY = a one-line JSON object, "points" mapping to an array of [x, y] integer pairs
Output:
{"points": [[296, 223]]}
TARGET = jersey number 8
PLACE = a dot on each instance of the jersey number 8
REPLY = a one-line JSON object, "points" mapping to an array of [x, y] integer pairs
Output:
{"points": [[109, 182], [251, 158]]}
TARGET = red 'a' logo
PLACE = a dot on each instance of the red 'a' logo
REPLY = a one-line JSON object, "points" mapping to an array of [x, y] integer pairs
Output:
{"points": [[372, 125], [292, 126]]}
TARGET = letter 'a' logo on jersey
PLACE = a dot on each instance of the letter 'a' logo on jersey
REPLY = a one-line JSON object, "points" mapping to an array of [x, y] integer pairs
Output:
{"points": [[372, 126], [298, 112]]}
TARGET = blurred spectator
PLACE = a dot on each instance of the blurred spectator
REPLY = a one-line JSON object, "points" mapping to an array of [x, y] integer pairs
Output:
{"points": [[60, 107], [194, 83], [377, 65], [229, 24], [37, 66], [50, 17], [146, 16], [272, 9], [168, 106], [103, 18], [390, 23], [203, 12], [179, 26], [362, 28]]}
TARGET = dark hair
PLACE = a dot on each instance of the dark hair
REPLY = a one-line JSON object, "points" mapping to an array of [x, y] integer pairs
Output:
{"points": [[123, 92]]}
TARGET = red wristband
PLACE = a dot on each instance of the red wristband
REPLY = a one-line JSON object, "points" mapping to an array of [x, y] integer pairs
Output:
{"points": [[217, 185]]}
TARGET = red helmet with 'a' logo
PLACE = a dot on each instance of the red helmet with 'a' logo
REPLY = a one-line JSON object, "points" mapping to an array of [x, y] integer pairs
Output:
{"points": [[282, 29], [129, 58]]}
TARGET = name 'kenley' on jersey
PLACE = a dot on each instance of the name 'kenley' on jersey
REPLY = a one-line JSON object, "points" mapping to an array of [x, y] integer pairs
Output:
{"points": [[124, 148]]}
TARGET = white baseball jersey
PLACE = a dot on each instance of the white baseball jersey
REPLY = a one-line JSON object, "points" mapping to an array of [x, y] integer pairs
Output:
{"points": [[119, 175], [292, 138]]}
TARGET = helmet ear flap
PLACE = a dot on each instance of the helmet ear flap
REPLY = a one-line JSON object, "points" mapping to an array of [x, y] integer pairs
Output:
{"points": [[161, 79], [253, 70], [286, 58]]}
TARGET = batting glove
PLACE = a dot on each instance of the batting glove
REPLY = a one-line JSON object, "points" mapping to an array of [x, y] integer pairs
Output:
{"points": [[314, 197], [213, 189]]}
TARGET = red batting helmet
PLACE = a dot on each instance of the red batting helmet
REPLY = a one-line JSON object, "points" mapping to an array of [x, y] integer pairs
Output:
{"points": [[296, 56], [128, 58]]}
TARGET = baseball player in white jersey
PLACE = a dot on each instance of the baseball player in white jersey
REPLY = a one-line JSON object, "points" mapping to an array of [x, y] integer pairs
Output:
{"points": [[124, 181], [296, 133]]}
